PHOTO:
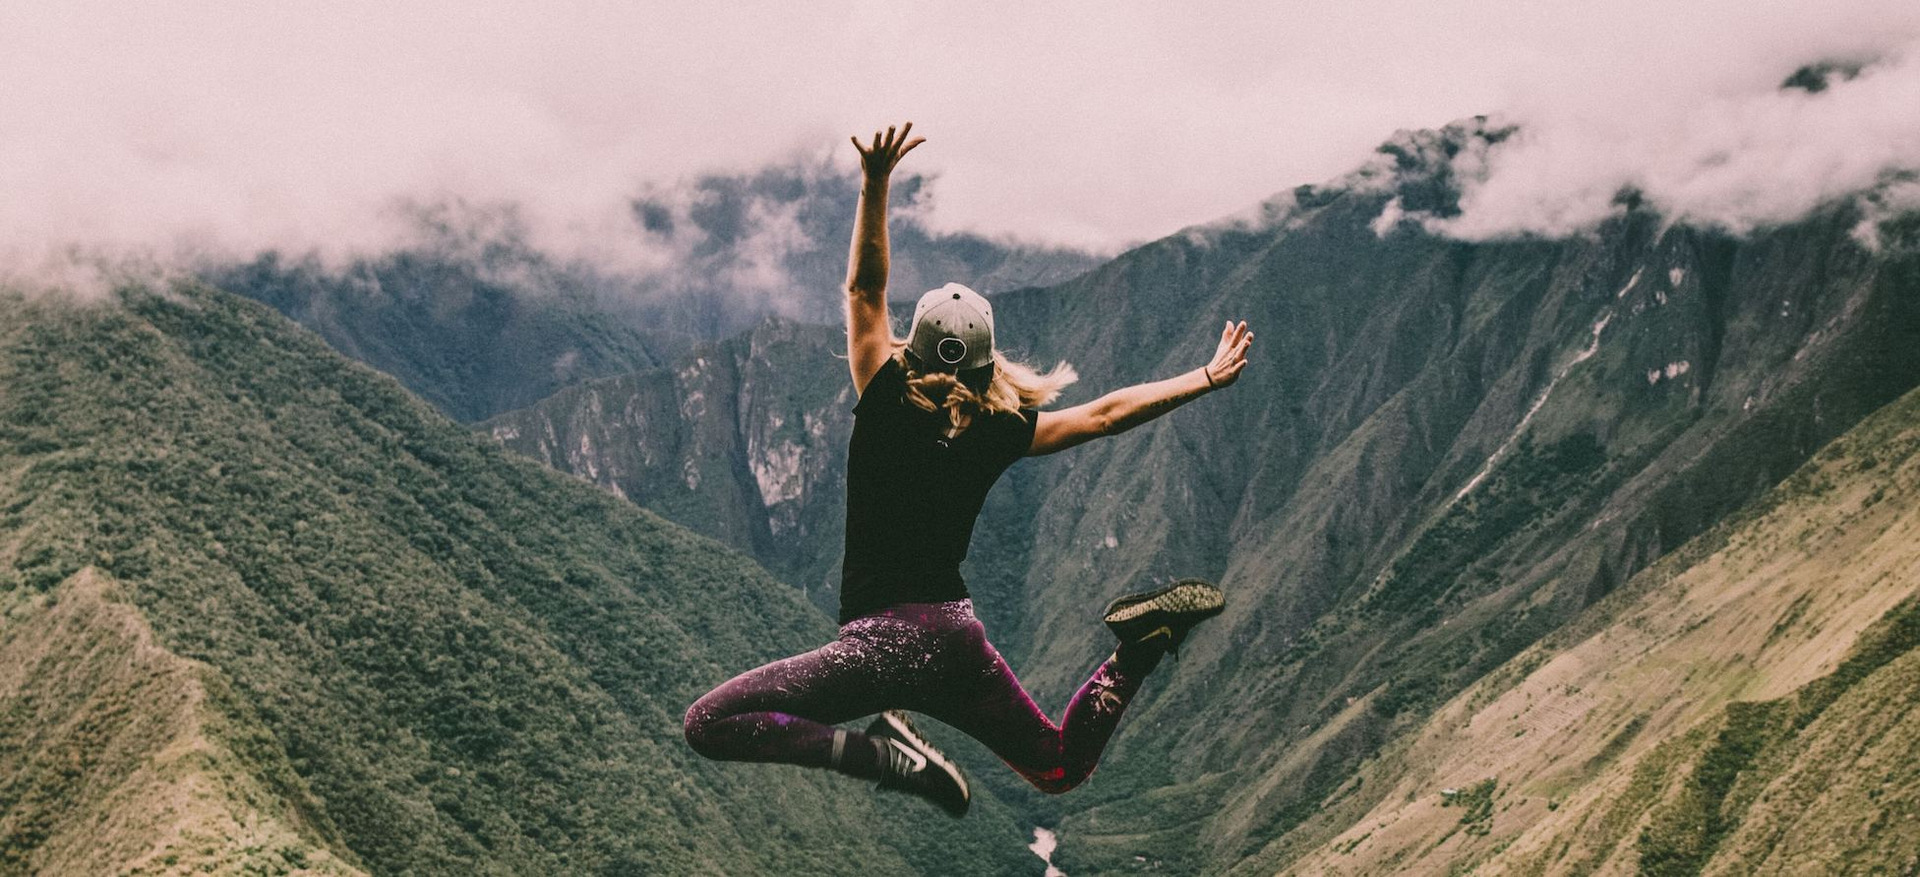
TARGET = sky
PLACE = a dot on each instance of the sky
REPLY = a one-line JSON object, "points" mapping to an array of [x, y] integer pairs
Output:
{"points": [[200, 127]]}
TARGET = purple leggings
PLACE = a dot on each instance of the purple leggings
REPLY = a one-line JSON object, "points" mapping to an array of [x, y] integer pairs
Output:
{"points": [[930, 658]]}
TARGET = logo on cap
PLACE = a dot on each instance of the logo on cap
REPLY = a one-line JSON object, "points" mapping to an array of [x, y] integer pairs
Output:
{"points": [[952, 329]]}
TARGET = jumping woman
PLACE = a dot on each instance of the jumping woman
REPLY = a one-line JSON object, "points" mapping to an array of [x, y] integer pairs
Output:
{"points": [[940, 416]]}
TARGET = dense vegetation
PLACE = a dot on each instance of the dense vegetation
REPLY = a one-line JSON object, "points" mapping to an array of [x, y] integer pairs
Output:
{"points": [[470, 664], [471, 334]]}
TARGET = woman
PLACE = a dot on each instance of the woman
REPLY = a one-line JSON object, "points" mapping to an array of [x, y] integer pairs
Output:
{"points": [[940, 416]]}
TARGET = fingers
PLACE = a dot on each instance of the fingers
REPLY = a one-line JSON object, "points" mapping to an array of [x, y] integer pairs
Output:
{"points": [[889, 145], [898, 144], [1230, 358], [1234, 334]]}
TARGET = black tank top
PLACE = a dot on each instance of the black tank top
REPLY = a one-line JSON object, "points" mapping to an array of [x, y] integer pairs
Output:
{"points": [[912, 495]]}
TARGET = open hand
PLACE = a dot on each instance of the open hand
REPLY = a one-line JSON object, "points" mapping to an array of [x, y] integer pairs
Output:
{"points": [[879, 159], [1230, 357]]}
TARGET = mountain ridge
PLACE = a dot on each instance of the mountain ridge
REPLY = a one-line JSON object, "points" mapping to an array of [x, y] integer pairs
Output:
{"points": [[477, 320], [1448, 448], [172, 795], [465, 662]]}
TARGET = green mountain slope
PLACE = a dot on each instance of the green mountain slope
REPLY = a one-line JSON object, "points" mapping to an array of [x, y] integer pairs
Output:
{"points": [[1443, 451], [116, 756], [470, 334], [377, 642], [1746, 706]]}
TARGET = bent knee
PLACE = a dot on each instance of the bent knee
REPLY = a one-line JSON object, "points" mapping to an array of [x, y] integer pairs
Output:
{"points": [[1055, 781], [696, 726], [1061, 786]]}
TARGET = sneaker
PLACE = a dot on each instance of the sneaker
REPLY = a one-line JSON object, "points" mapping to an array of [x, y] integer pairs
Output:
{"points": [[1164, 615], [908, 763]]}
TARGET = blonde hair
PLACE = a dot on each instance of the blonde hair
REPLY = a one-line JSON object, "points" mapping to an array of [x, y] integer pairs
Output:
{"points": [[1015, 385]]}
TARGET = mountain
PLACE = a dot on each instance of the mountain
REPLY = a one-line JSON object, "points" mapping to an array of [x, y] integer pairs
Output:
{"points": [[470, 333], [477, 320], [1444, 451], [745, 441], [1747, 705], [263, 611]]}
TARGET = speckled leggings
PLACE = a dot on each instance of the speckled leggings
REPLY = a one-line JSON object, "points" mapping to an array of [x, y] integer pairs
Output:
{"points": [[930, 658]]}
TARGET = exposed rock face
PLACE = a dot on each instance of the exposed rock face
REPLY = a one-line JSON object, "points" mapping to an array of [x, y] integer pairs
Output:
{"points": [[1442, 452], [745, 441]]}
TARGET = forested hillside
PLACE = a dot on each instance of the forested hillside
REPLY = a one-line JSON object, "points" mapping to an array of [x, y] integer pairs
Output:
{"points": [[1443, 451], [262, 610]]}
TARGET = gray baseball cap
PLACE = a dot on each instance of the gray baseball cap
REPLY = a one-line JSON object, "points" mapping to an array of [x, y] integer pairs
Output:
{"points": [[952, 329]]}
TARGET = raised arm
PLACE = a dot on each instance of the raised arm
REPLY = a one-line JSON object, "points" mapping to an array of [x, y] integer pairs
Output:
{"points": [[1124, 409], [869, 337]]}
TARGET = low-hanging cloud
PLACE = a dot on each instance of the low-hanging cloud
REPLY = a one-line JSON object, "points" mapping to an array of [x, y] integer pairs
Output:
{"points": [[1761, 154], [190, 129]]}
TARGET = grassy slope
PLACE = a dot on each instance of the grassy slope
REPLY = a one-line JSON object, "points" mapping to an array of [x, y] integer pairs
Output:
{"points": [[470, 664], [114, 757], [1745, 706]]}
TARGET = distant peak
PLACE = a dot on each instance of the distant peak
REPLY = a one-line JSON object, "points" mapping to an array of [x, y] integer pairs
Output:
{"points": [[1818, 77], [1416, 165]]}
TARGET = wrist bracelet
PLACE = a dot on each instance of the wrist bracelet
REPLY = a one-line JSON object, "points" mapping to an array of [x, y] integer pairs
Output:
{"points": [[1208, 373]]}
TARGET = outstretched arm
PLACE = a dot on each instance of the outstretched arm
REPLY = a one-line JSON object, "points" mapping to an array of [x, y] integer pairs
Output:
{"points": [[869, 338], [1124, 409]]}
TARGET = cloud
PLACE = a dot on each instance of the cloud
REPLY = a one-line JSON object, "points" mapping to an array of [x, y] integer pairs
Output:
{"points": [[1899, 198], [1743, 157], [196, 127]]}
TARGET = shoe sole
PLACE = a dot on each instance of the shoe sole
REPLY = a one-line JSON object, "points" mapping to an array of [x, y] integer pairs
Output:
{"points": [[1182, 597], [1186, 602], [902, 728]]}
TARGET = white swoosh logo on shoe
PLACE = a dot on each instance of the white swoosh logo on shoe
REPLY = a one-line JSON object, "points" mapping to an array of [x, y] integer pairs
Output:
{"points": [[919, 761]]}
